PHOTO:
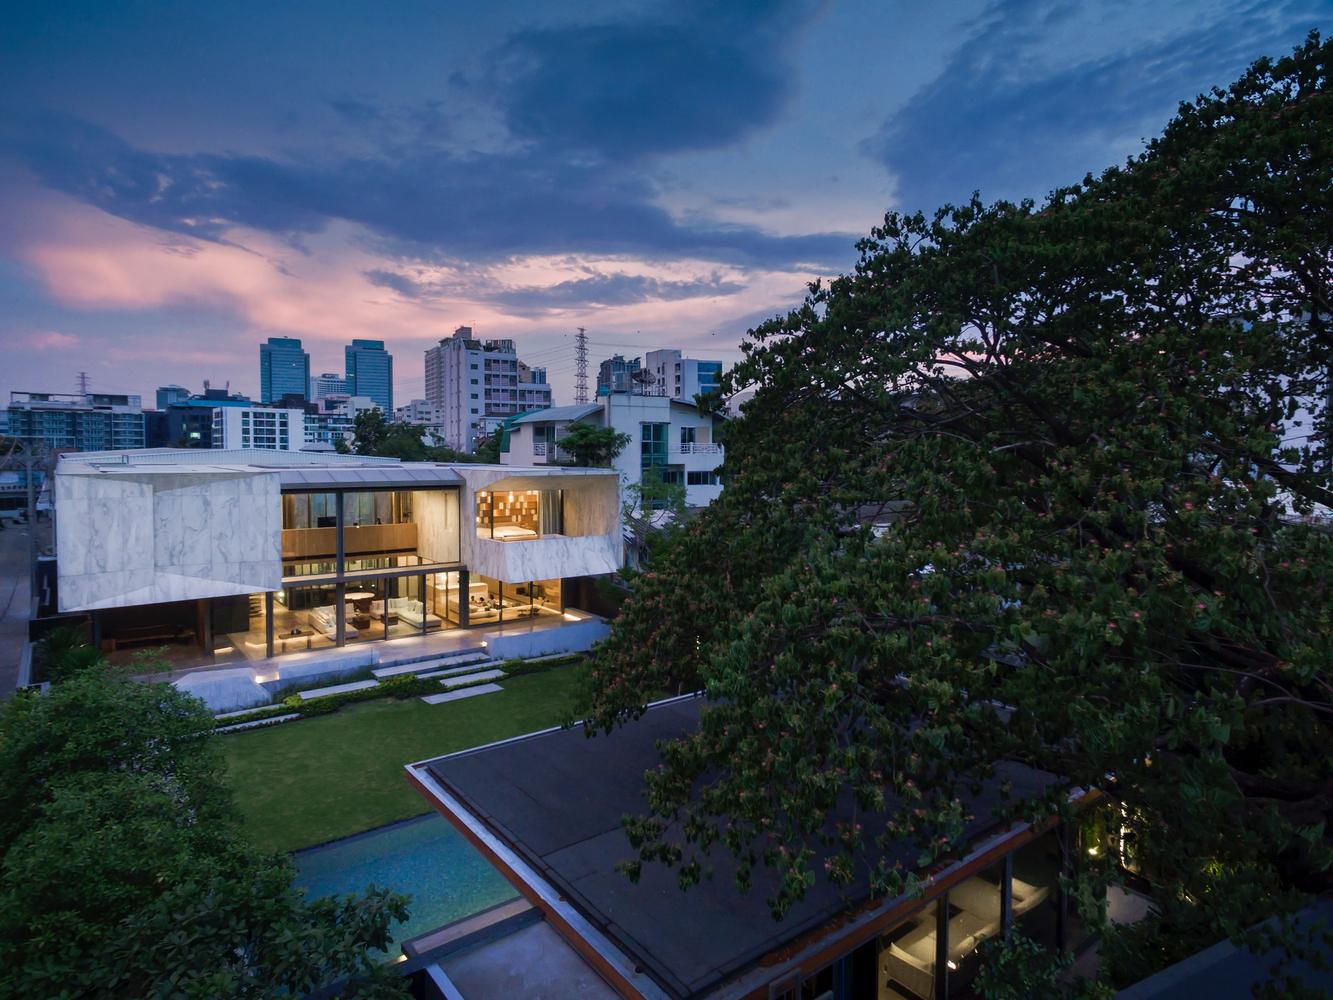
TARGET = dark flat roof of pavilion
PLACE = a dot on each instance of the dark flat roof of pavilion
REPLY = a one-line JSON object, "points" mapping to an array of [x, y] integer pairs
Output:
{"points": [[557, 798]]}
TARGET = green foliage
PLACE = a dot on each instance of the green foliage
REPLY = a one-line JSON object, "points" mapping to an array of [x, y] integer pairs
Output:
{"points": [[63, 653], [1072, 418], [121, 871], [374, 434], [587, 445], [488, 449], [654, 510], [1018, 968]]}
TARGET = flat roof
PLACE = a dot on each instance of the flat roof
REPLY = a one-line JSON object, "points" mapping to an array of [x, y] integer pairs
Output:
{"points": [[556, 800]]}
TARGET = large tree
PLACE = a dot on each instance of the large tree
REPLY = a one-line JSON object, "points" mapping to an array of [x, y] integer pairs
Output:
{"points": [[1097, 426], [122, 872]]}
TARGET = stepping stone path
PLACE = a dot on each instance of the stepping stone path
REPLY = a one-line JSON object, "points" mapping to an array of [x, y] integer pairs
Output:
{"points": [[481, 675], [471, 668], [272, 720], [336, 689], [459, 695]]}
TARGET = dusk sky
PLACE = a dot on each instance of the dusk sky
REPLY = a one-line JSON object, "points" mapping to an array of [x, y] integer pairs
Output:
{"points": [[179, 181]]}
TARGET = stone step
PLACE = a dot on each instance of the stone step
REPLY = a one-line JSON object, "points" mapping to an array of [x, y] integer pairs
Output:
{"points": [[335, 689], [468, 692], [449, 683], [471, 668], [417, 666], [419, 658], [272, 720]]}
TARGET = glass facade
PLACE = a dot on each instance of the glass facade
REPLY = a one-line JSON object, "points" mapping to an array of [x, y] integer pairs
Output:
{"points": [[381, 530]]}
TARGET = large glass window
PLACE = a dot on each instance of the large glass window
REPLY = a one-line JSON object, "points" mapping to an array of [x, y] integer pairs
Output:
{"points": [[907, 957], [305, 618], [520, 515], [1036, 896], [382, 529], [239, 627]]}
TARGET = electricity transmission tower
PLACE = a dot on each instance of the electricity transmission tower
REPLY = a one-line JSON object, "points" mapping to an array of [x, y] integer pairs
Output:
{"points": [[581, 367]]}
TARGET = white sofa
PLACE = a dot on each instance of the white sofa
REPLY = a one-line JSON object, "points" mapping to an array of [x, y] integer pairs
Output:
{"points": [[410, 612], [325, 619]]}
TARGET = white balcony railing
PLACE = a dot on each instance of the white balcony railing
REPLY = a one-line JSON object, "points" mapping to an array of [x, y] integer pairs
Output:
{"points": [[699, 449]]}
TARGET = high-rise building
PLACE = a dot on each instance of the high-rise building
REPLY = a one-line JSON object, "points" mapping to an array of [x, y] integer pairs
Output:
{"points": [[327, 384], [682, 378], [168, 394], [93, 421], [370, 372], [262, 427], [284, 369], [477, 384], [615, 373]]}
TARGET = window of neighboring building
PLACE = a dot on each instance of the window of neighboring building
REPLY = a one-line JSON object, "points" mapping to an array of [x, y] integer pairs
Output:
{"points": [[687, 435], [653, 445], [701, 479]]}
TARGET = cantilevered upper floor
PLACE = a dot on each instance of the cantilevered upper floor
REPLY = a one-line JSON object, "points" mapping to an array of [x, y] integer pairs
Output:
{"points": [[157, 525]]}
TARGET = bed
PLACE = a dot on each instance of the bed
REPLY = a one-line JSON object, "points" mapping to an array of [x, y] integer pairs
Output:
{"points": [[509, 532]]}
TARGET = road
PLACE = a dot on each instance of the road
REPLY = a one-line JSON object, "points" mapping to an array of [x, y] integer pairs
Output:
{"points": [[14, 601]]}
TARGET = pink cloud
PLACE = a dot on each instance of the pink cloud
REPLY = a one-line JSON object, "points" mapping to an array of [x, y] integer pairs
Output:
{"points": [[53, 340]]}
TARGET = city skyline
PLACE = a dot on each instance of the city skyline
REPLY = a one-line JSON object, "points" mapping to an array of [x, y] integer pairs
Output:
{"points": [[174, 192]]}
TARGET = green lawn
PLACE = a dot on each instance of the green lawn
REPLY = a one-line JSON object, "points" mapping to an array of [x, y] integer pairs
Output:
{"points": [[302, 783]]}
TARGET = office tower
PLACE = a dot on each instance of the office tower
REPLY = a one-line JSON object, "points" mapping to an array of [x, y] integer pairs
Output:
{"points": [[370, 372], [477, 384], [327, 384], [284, 369], [168, 394]]}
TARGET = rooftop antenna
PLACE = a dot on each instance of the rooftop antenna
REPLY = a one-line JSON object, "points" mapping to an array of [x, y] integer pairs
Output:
{"points": [[83, 383], [581, 367]]}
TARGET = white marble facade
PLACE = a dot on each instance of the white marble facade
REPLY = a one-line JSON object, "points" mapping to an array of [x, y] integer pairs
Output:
{"points": [[592, 543], [149, 535]]}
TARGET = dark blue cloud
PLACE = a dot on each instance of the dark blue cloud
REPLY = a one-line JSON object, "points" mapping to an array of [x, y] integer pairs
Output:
{"points": [[702, 79], [611, 290], [991, 122], [428, 200]]}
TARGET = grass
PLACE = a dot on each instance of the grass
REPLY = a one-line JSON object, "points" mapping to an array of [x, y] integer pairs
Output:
{"points": [[306, 782]]}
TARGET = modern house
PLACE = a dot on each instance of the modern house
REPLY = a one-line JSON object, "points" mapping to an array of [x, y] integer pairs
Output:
{"points": [[668, 437], [546, 810], [233, 555]]}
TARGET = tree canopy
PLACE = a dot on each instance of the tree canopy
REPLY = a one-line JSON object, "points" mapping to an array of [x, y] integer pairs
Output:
{"points": [[373, 434], [1097, 427], [588, 445], [122, 873]]}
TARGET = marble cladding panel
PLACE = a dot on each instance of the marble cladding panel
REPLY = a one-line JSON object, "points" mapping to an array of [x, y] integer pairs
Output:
{"points": [[547, 558], [142, 538], [436, 515]]}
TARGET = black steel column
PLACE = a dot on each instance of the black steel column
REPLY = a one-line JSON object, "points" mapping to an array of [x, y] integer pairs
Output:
{"points": [[1007, 895], [425, 604], [942, 948], [464, 594], [268, 623], [340, 612], [338, 531], [1062, 897]]}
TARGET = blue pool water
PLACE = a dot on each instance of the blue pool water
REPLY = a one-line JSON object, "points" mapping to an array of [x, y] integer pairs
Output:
{"points": [[425, 857]]}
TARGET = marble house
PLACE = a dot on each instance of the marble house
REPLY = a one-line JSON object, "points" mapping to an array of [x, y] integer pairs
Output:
{"points": [[232, 555]]}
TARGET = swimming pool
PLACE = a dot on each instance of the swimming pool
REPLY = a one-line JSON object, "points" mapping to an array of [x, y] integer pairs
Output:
{"points": [[426, 857]]}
